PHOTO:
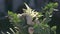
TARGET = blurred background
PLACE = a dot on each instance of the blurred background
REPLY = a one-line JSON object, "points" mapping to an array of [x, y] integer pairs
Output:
{"points": [[12, 23]]}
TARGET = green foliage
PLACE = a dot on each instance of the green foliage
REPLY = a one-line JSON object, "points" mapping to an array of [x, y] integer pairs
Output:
{"points": [[13, 17], [51, 5], [36, 20]]}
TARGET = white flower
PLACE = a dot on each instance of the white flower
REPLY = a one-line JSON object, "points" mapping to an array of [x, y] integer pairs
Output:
{"points": [[19, 15]]}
